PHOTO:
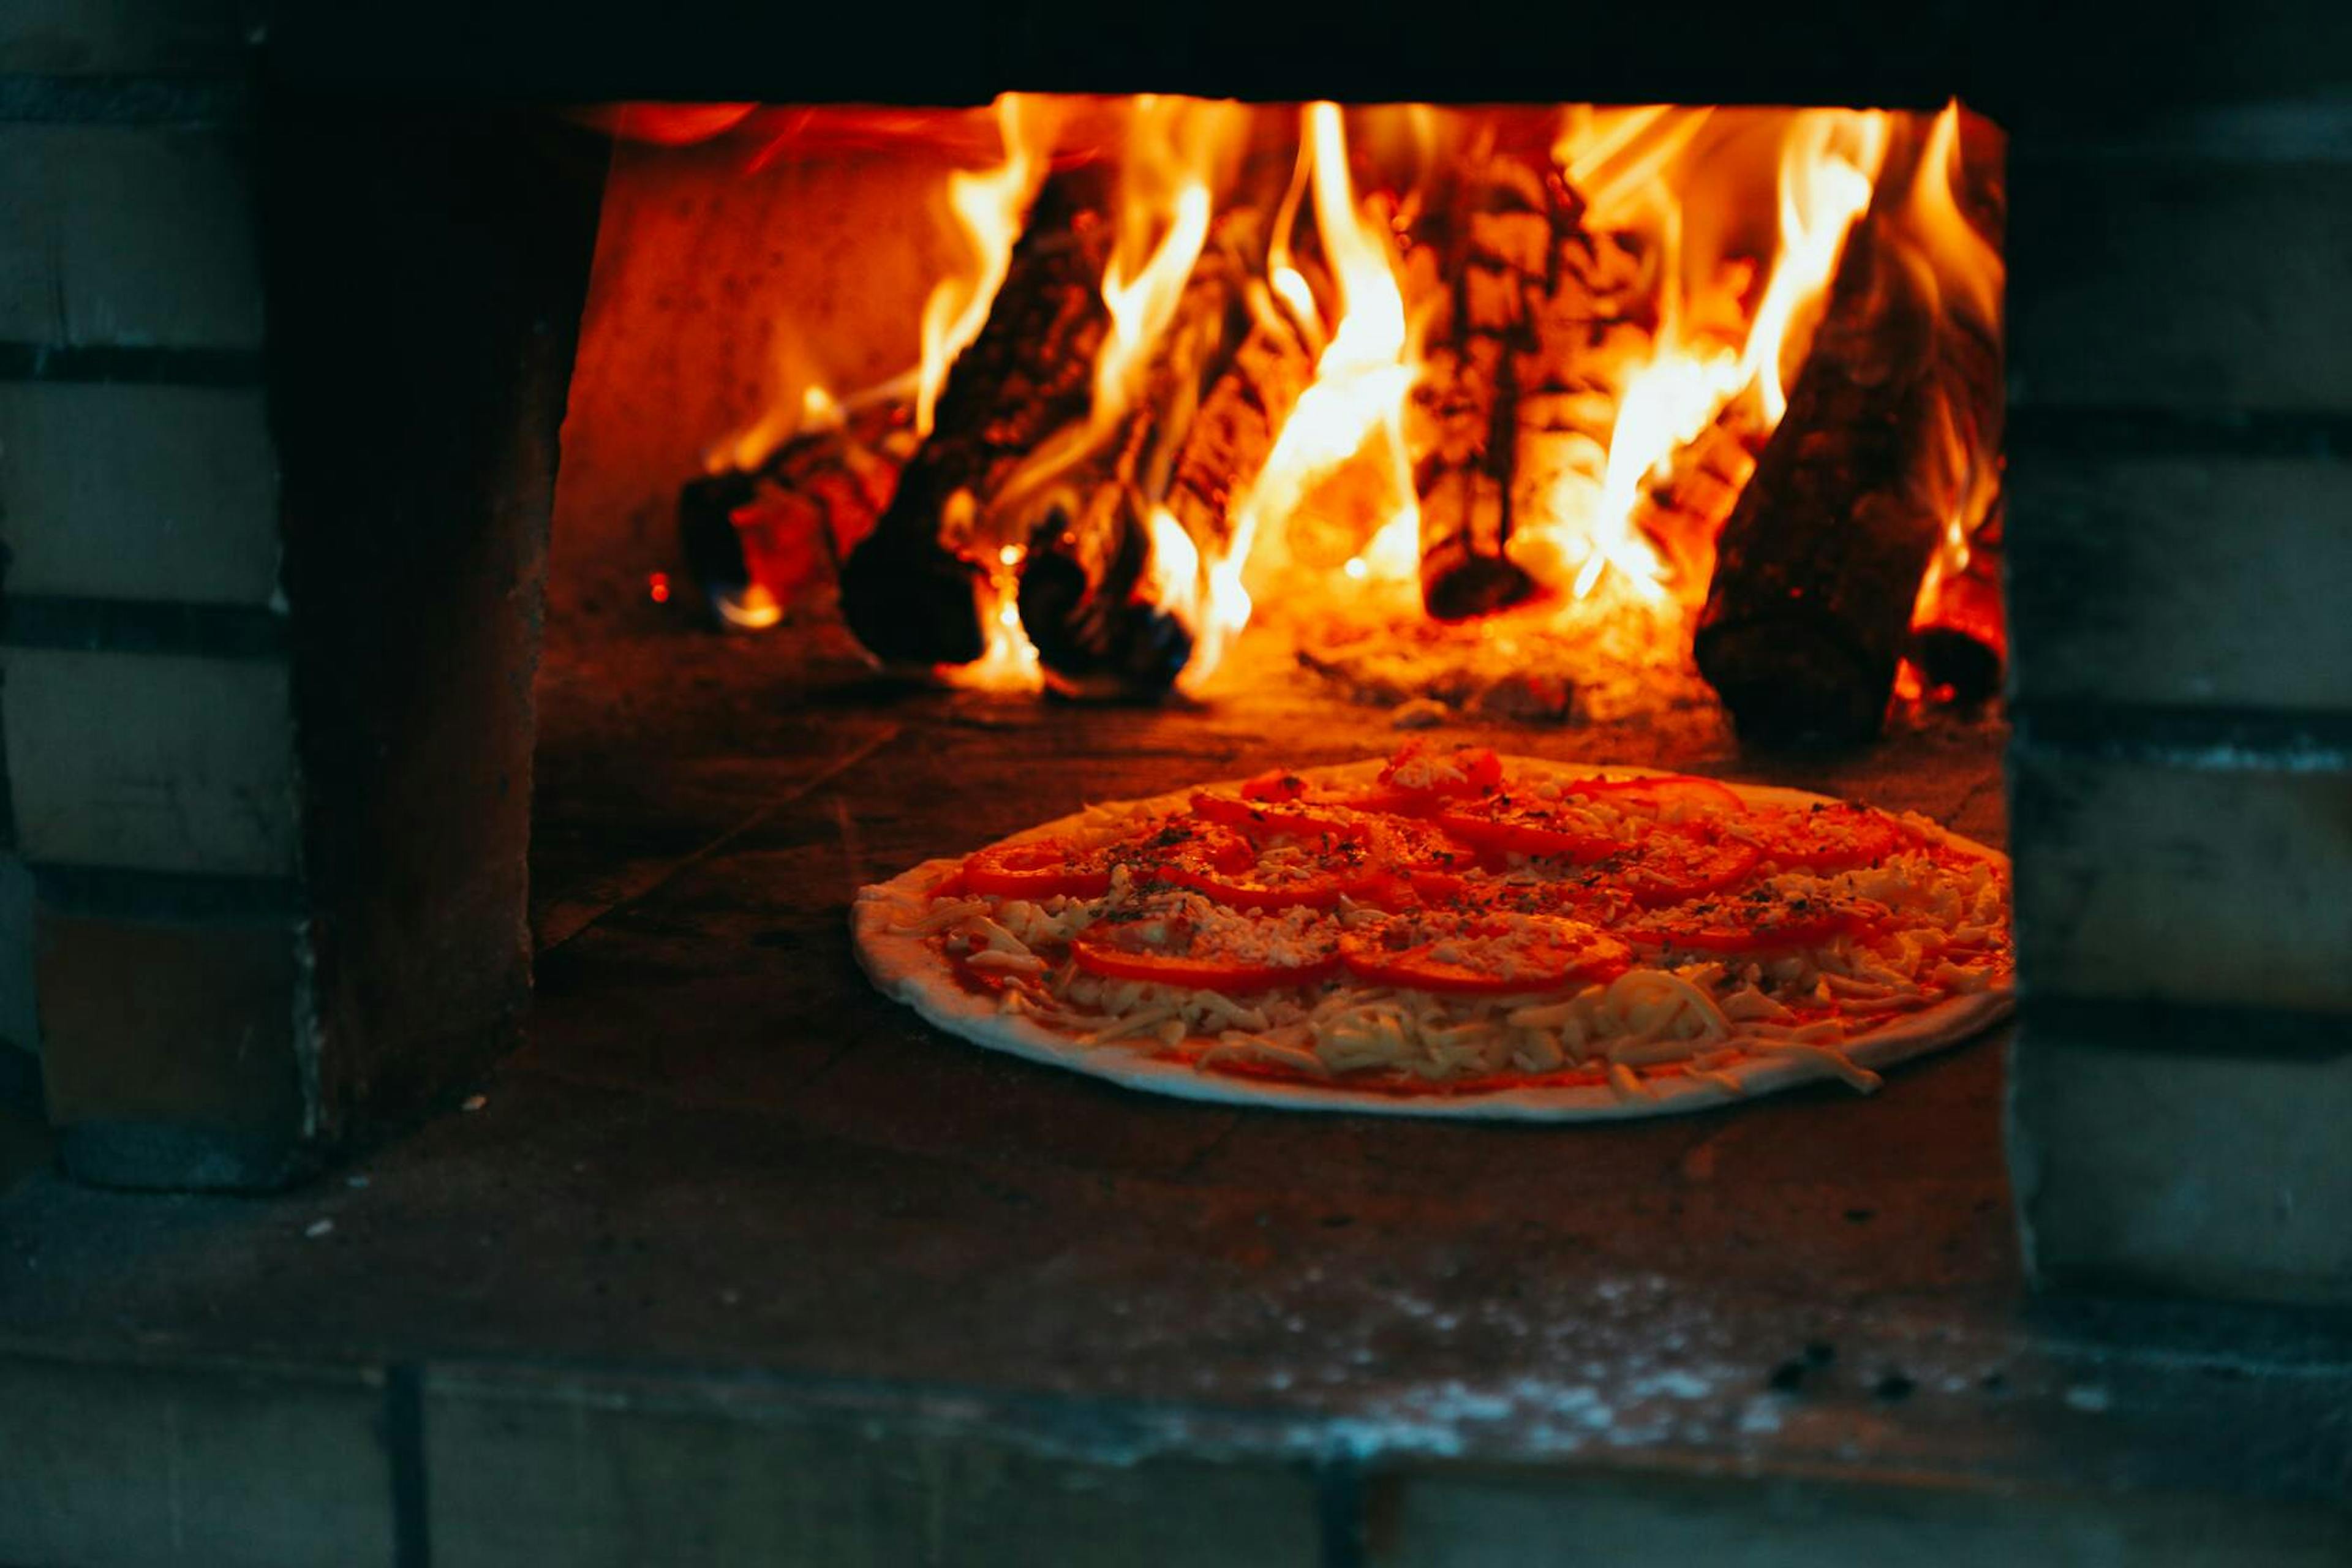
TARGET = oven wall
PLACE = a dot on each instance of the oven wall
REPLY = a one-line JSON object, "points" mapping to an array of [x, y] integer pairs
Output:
{"points": [[279, 384], [2181, 771], [149, 927]]}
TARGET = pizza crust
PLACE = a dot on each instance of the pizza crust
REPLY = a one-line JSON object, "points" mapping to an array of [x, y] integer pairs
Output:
{"points": [[907, 968]]}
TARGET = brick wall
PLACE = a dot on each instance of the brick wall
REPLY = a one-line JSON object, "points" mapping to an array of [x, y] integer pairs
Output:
{"points": [[2180, 547], [151, 948], [280, 382]]}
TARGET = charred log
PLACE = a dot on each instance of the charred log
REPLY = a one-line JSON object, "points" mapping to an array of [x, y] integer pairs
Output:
{"points": [[1817, 571], [1227, 446], [1588, 331], [1096, 603], [753, 540], [911, 591], [1497, 251], [1961, 642]]}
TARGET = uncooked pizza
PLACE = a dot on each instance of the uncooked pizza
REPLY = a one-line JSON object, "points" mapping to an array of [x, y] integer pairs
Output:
{"points": [[1455, 933]]}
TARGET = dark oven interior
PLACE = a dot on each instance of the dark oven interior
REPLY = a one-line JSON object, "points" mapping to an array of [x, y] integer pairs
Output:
{"points": [[498, 925]]}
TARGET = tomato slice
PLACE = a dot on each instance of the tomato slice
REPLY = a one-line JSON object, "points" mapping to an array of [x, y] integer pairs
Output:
{"points": [[1509, 825], [1659, 789], [1051, 868], [1038, 868], [1355, 857], [1195, 974], [1486, 953], [1418, 771], [1831, 836], [1268, 819], [1674, 862], [1172, 945]]}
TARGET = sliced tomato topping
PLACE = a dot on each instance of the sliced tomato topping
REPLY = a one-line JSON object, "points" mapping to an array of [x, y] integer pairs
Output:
{"points": [[1051, 868], [1276, 785], [1351, 857], [1831, 836], [1659, 789], [1674, 862], [1490, 951], [1416, 770], [1268, 819], [1195, 974], [1510, 825], [1180, 944], [1038, 868]]}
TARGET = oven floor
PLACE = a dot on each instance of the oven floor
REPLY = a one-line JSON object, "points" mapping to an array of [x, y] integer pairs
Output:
{"points": [[724, 1177]]}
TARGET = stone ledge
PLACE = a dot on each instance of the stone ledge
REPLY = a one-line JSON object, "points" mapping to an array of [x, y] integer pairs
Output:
{"points": [[557, 1471], [129, 1460], [1469, 1518]]}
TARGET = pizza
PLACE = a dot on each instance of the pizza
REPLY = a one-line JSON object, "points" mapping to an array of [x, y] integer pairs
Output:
{"points": [[1458, 933]]}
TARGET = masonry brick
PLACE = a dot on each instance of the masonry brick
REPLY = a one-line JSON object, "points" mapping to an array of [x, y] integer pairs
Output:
{"points": [[162, 763], [555, 1476], [138, 492], [119, 38], [172, 1055], [1471, 1517], [157, 1465], [19, 1019], [2169, 282], [2165, 1154], [2151, 881], [2184, 582], [126, 235]]}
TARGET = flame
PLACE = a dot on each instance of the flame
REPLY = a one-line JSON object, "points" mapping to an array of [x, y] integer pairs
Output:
{"points": [[1164, 209], [1009, 660], [991, 205], [1827, 167], [1734, 222], [1970, 276], [1354, 409]]}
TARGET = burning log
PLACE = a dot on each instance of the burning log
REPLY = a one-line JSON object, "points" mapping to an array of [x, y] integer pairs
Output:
{"points": [[910, 592], [1959, 635], [1817, 571], [753, 539], [1466, 405], [1588, 332], [1227, 447], [1105, 595]]}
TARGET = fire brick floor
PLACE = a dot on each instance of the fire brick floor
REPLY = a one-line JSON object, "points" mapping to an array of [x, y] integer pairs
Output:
{"points": [[735, 1260]]}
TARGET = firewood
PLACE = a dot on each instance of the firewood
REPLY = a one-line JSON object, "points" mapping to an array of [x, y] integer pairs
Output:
{"points": [[1816, 573], [1093, 597], [1497, 252], [1588, 332], [754, 539], [1960, 639], [909, 592]]}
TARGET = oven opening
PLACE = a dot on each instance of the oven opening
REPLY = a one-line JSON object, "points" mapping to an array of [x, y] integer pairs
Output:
{"points": [[1557, 417]]}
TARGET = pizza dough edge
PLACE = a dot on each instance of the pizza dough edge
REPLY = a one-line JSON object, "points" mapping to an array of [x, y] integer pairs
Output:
{"points": [[905, 968]]}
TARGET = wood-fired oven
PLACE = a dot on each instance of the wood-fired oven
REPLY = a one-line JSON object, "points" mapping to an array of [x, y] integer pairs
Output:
{"points": [[506, 520]]}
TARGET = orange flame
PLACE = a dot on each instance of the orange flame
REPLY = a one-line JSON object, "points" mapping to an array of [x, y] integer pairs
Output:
{"points": [[990, 207], [1354, 410]]}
